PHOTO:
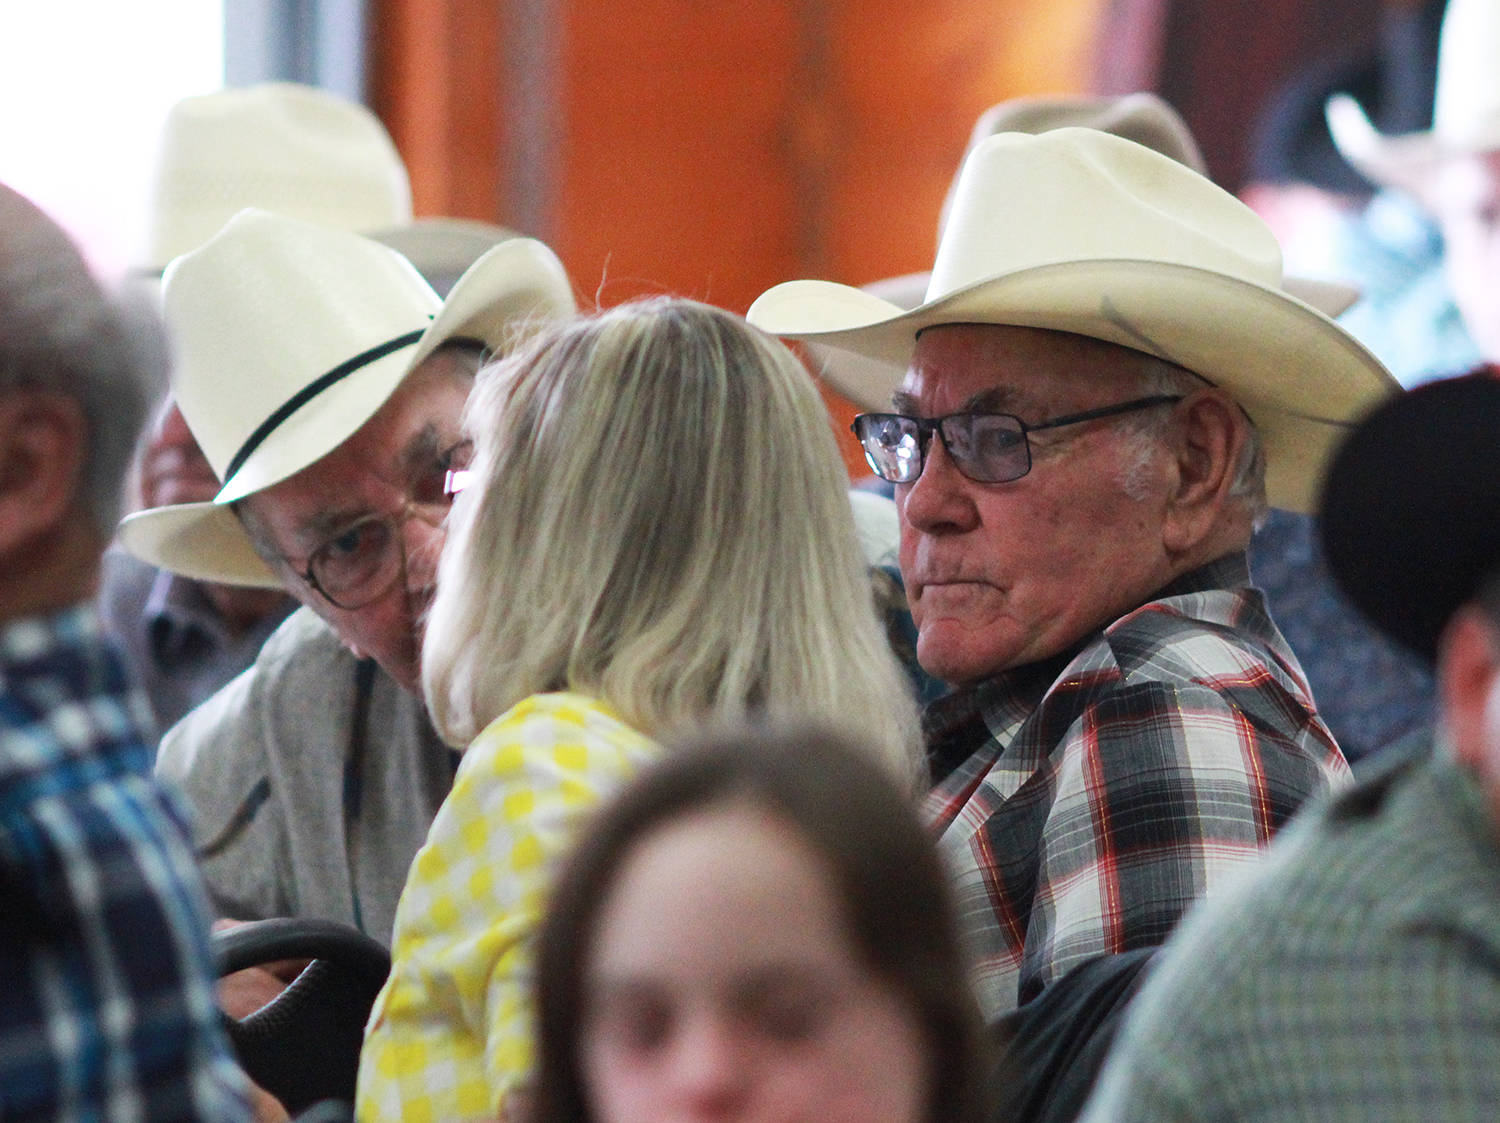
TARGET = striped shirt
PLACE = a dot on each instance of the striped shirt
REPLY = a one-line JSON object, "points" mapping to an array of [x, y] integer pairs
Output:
{"points": [[107, 1006], [1084, 803]]}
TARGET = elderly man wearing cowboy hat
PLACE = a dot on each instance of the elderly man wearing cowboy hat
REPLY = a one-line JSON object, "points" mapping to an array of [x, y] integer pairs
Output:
{"points": [[1104, 385], [1356, 974], [292, 150], [324, 380]]}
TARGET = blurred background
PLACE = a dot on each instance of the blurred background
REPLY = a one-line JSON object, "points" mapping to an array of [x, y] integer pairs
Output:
{"points": [[702, 147]]}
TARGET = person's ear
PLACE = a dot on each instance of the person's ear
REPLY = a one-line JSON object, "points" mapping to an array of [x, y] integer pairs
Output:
{"points": [[1467, 669], [42, 438], [1208, 437]]}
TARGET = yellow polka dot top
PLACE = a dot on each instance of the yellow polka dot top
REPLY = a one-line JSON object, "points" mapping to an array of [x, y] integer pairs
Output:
{"points": [[450, 1035]]}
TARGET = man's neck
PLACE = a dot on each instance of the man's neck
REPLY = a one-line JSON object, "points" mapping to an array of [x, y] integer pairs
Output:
{"points": [[50, 573]]}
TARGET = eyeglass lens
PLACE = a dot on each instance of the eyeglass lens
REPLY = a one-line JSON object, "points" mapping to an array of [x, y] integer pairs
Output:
{"points": [[986, 447], [361, 563]]}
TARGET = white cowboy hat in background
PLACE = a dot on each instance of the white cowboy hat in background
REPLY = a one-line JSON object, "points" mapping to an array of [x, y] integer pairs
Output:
{"points": [[1076, 230], [1141, 117], [1466, 105], [289, 337], [302, 152]]}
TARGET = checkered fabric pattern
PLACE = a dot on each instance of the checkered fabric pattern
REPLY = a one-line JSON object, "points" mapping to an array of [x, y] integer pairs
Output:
{"points": [[1353, 976], [1093, 798], [106, 979], [451, 1034]]}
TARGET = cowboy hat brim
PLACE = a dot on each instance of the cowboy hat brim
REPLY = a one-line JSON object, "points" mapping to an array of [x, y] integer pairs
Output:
{"points": [[1406, 160], [203, 541], [869, 383], [499, 296], [1301, 379]]}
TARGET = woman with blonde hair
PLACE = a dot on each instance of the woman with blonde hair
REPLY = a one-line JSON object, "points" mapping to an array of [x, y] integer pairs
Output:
{"points": [[656, 535]]}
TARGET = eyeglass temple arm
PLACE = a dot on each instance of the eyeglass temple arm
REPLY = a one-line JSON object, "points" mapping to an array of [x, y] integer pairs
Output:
{"points": [[1104, 411]]}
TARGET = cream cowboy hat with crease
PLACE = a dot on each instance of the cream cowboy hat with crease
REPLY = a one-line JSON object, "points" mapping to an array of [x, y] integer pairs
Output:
{"points": [[289, 337], [1466, 105], [1142, 117], [1079, 231], [298, 151]]}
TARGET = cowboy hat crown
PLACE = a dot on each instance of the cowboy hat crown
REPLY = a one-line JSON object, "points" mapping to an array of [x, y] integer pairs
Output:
{"points": [[278, 146], [1142, 117], [302, 152]]}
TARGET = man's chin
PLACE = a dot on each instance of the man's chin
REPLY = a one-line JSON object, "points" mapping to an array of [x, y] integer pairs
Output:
{"points": [[952, 655], [406, 670]]}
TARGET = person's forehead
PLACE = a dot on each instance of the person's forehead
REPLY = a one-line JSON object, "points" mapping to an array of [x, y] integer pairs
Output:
{"points": [[1006, 368], [371, 469]]}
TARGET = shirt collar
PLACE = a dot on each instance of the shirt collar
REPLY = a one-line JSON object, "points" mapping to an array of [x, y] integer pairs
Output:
{"points": [[967, 715]]}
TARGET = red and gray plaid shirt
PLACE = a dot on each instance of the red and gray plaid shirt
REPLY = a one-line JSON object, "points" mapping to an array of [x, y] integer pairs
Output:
{"points": [[1084, 803]]}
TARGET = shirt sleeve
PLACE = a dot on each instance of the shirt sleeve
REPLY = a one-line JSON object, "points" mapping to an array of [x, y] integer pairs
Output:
{"points": [[451, 1035], [218, 758], [109, 1008], [1162, 791]]}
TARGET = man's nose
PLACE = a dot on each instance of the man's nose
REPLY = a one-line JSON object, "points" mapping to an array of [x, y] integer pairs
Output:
{"points": [[939, 500]]}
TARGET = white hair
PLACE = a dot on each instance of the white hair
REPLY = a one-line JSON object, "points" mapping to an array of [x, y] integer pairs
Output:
{"points": [[659, 518], [60, 332], [1158, 376]]}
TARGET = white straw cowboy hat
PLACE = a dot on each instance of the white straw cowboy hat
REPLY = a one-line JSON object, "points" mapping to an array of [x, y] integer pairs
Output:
{"points": [[298, 151], [1142, 117], [289, 337], [1466, 106], [1079, 231]]}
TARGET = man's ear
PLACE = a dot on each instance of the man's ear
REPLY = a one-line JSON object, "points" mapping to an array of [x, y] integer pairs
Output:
{"points": [[1209, 436], [1468, 663], [42, 437]]}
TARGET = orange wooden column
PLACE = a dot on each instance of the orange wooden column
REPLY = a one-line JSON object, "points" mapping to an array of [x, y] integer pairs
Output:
{"points": [[711, 150], [437, 70]]}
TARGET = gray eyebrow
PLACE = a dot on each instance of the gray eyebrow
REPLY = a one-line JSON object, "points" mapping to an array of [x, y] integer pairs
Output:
{"points": [[902, 402], [326, 525], [425, 446], [996, 399]]}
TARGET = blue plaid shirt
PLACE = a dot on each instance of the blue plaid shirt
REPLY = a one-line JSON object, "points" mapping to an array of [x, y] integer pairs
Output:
{"points": [[107, 1006]]}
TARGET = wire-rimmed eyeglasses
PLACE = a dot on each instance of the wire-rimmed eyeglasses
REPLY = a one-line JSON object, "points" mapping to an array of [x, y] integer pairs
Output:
{"points": [[989, 448], [361, 562]]}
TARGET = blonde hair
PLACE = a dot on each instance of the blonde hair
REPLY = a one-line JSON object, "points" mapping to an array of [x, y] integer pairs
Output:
{"points": [[659, 518]]}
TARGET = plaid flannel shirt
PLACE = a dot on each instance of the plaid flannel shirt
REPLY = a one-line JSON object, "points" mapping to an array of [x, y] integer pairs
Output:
{"points": [[1084, 803], [107, 1007]]}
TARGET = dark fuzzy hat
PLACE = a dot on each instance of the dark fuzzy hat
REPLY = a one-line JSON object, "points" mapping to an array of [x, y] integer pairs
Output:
{"points": [[1411, 508], [1393, 79]]}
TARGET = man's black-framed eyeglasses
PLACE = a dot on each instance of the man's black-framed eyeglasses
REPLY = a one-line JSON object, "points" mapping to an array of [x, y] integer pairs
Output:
{"points": [[988, 448]]}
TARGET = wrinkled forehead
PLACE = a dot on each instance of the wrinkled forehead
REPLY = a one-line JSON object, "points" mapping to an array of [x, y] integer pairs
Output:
{"points": [[1012, 369]]}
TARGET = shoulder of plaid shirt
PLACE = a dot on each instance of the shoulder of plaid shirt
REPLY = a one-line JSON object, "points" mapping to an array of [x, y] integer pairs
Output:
{"points": [[106, 972], [1092, 799]]}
